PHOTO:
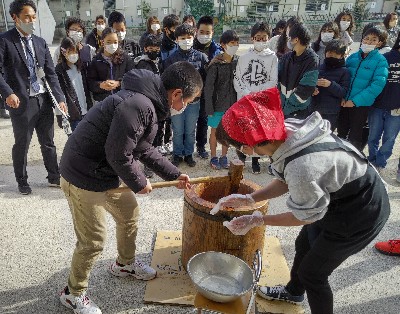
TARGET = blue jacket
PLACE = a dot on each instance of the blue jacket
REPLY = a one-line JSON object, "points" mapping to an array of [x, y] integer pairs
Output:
{"points": [[198, 59], [390, 96], [368, 77], [329, 98], [211, 51]]}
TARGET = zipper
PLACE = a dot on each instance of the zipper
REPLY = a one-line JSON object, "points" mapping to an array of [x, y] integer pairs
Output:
{"points": [[355, 74]]}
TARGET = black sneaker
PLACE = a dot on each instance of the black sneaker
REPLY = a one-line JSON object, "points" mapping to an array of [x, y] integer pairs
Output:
{"points": [[269, 170], [241, 156], [201, 151], [255, 166], [148, 172], [279, 293], [54, 183], [190, 161], [24, 188], [176, 160]]}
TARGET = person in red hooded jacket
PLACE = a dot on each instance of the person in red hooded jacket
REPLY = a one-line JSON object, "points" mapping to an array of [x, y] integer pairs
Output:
{"points": [[338, 198]]}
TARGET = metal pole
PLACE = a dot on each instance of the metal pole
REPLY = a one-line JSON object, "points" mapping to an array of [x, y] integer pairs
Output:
{"points": [[4, 14]]}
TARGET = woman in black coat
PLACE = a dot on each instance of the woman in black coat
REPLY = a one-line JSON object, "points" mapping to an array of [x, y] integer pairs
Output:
{"points": [[108, 67], [73, 83]]}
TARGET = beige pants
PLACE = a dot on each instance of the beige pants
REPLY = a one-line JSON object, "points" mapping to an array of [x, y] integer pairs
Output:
{"points": [[88, 211]]}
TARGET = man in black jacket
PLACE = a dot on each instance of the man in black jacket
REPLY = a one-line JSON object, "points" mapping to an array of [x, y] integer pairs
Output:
{"points": [[22, 54], [94, 37], [104, 149]]}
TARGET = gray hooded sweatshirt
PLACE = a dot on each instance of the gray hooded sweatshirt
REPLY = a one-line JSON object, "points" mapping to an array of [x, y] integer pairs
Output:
{"points": [[312, 177]]}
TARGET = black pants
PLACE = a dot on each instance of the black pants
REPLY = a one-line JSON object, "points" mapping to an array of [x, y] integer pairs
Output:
{"points": [[2, 104], [38, 116], [164, 133], [351, 123], [332, 118], [318, 254], [202, 127]]}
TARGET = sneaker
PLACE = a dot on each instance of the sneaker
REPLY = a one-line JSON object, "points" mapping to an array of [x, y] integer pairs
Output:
{"points": [[23, 187], [255, 167], [137, 269], [201, 151], [4, 114], [79, 304], [279, 293], [269, 170], [398, 177], [169, 148], [223, 161], [190, 161], [176, 160], [242, 157], [214, 163], [162, 150], [148, 172], [54, 183], [391, 247]]}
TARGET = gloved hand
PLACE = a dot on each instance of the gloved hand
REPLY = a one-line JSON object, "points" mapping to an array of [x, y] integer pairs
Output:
{"points": [[59, 121], [235, 201], [241, 225]]}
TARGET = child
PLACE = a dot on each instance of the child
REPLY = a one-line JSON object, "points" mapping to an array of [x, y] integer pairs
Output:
{"points": [[278, 43], [279, 28], [333, 83], [368, 70], [390, 22], [256, 70], [150, 60], [94, 37], [383, 47], [334, 194], [328, 32], [153, 27], [204, 43], [345, 22], [168, 44], [184, 123], [108, 66], [219, 92], [298, 73], [384, 114], [73, 83]]}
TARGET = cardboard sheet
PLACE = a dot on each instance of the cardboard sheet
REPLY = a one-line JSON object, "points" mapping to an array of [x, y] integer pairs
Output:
{"points": [[173, 285]]}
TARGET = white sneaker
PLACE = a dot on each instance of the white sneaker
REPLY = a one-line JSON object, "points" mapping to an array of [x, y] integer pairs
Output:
{"points": [[137, 269], [169, 148], [80, 305], [162, 150]]}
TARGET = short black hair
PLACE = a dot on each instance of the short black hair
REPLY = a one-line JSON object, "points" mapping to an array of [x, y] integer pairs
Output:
{"points": [[228, 36], [100, 17], [182, 75], [280, 24], [185, 29], [383, 37], [336, 45], [373, 31], [171, 20], [116, 17], [260, 27], [152, 41], [207, 20], [189, 18], [17, 6], [301, 32], [74, 20]]}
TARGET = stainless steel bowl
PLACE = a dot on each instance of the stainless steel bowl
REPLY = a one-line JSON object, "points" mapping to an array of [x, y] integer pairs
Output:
{"points": [[219, 276]]}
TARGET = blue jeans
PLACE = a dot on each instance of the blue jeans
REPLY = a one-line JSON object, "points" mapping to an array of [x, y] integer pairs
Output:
{"points": [[184, 130], [381, 121]]}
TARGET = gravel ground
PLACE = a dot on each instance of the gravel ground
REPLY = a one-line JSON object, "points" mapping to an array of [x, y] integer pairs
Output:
{"points": [[38, 240]]}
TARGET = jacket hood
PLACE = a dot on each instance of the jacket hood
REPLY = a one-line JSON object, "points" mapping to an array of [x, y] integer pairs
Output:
{"points": [[220, 59], [150, 85], [143, 57], [301, 134]]}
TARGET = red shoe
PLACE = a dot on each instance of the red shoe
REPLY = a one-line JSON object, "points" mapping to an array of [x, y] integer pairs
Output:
{"points": [[391, 247]]}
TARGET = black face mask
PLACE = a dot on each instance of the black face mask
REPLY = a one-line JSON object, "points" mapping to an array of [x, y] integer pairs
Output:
{"points": [[334, 62], [171, 35], [153, 55]]}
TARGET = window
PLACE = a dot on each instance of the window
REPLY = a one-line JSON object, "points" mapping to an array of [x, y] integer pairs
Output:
{"points": [[317, 5]]}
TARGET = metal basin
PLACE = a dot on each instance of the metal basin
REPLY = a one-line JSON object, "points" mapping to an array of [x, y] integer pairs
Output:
{"points": [[219, 276]]}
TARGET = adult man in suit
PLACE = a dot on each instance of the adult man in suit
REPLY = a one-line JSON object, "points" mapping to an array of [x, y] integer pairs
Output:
{"points": [[21, 56]]}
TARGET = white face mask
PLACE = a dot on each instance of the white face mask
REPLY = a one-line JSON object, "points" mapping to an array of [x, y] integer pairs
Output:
{"points": [[155, 27], [111, 48], [260, 45], [73, 57], [326, 37], [231, 50], [175, 112], [344, 25], [185, 44], [367, 48], [204, 39], [76, 36], [27, 28], [121, 35], [100, 27]]}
